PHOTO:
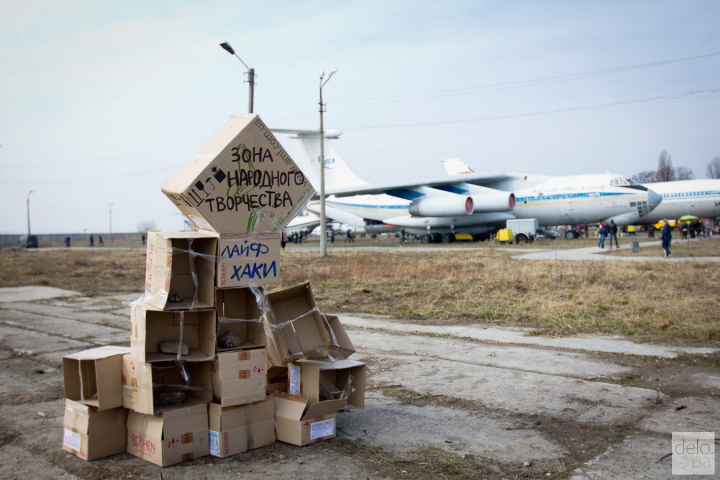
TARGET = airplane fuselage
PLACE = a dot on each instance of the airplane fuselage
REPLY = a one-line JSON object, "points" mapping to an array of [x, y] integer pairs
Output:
{"points": [[583, 199], [558, 201], [686, 197]]}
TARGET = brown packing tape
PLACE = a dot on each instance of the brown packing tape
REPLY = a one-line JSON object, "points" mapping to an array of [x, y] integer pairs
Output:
{"points": [[244, 374], [186, 438]]}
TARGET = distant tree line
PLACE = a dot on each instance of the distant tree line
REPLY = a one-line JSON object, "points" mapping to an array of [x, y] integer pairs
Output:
{"points": [[666, 173], [146, 225]]}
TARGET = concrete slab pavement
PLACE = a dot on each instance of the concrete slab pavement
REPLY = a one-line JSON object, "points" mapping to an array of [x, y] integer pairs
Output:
{"points": [[515, 335], [561, 406], [592, 253]]}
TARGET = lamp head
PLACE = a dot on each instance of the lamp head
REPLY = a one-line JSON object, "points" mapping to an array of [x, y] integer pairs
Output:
{"points": [[322, 74], [332, 72], [228, 48]]}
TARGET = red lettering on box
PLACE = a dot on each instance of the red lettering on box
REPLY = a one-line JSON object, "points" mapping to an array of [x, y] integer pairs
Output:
{"points": [[223, 274], [143, 444]]}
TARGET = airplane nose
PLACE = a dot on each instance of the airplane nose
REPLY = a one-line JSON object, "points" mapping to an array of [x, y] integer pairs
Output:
{"points": [[653, 199]]}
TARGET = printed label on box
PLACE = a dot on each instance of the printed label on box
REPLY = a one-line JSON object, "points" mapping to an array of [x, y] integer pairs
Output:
{"points": [[71, 439], [201, 223], [214, 443], [322, 429], [294, 386]]}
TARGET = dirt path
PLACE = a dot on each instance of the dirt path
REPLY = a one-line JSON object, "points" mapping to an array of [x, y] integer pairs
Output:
{"points": [[464, 403]]}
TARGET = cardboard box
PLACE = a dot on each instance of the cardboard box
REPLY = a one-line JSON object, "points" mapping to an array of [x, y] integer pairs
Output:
{"points": [[141, 381], [148, 328], [239, 377], [277, 378], [242, 428], [238, 311], [325, 381], [90, 434], [248, 257], [171, 437], [180, 263], [341, 346], [299, 423], [240, 181], [94, 377], [296, 327]]}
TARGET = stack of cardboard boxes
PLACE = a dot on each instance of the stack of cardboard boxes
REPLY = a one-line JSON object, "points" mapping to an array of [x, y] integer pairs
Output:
{"points": [[215, 365]]}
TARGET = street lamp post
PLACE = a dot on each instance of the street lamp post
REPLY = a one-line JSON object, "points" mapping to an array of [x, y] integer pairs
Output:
{"points": [[28, 210], [111, 237], [250, 72], [323, 219]]}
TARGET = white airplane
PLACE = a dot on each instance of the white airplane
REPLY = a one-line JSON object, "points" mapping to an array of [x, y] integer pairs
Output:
{"points": [[306, 219], [686, 197], [477, 204], [683, 197]]}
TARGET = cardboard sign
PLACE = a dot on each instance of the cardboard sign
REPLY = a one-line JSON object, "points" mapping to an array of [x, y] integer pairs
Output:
{"points": [[241, 181], [243, 258]]}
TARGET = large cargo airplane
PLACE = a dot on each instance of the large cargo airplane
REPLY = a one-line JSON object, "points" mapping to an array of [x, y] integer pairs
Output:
{"points": [[686, 197], [476, 204], [683, 197]]}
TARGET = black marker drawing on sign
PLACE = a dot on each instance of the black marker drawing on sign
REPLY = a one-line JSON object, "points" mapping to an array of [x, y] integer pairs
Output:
{"points": [[218, 174]]}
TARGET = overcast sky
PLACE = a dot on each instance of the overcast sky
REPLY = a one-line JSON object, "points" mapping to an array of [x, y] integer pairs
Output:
{"points": [[101, 102]]}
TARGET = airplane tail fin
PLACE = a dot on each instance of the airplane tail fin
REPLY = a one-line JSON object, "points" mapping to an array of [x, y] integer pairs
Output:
{"points": [[455, 166], [306, 149]]}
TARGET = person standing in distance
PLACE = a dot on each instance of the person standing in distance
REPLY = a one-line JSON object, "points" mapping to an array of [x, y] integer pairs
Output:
{"points": [[666, 235], [612, 233], [602, 231]]}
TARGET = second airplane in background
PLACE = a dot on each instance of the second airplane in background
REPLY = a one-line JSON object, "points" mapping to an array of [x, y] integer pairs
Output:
{"points": [[472, 203]]}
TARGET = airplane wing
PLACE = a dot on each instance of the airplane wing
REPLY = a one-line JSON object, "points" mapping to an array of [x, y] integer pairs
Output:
{"points": [[479, 179]]}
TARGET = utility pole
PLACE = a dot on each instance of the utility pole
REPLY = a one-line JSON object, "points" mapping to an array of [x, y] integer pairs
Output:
{"points": [[111, 236], [323, 219], [28, 211]]}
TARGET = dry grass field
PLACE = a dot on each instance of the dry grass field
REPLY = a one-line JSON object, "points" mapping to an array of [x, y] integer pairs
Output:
{"points": [[659, 301]]}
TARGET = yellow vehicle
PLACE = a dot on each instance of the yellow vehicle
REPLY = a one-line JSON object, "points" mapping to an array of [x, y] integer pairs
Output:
{"points": [[504, 236], [659, 225]]}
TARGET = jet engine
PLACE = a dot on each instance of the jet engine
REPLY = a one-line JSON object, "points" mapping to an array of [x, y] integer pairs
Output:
{"points": [[442, 206], [493, 201]]}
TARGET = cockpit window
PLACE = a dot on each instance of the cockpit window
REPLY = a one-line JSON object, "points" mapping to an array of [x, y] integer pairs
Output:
{"points": [[621, 181]]}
